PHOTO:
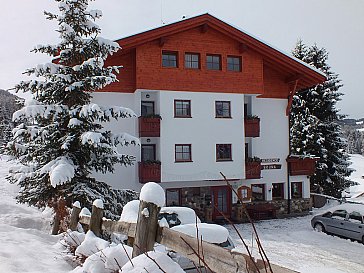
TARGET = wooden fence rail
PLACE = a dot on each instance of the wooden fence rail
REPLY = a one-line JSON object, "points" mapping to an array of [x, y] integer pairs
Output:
{"points": [[217, 258]]}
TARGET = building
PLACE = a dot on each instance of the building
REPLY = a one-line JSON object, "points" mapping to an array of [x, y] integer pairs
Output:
{"points": [[211, 98]]}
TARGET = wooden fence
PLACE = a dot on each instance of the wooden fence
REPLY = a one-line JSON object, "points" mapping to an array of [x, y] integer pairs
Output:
{"points": [[146, 232]]}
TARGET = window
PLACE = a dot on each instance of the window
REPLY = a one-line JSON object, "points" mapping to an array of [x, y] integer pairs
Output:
{"points": [[169, 59], [148, 152], [339, 214], [182, 108], [173, 197], [258, 192], [222, 109], [234, 63], [183, 153], [356, 217], [192, 60], [147, 108], [223, 152], [296, 190], [277, 191], [213, 62], [244, 193]]}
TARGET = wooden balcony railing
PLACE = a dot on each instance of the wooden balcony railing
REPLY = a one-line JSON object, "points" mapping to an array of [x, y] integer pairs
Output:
{"points": [[252, 170], [149, 172], [149, 126], [301, 166], [252, 127]]}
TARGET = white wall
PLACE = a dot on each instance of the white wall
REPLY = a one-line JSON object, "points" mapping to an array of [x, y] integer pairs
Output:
{"points": [[123, 177], [203, 131]]}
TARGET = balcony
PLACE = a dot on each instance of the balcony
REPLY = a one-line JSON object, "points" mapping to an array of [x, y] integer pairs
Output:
{"points": [[252, 126], [149, 172], [252, 169], [301, 166], [149, 126]]}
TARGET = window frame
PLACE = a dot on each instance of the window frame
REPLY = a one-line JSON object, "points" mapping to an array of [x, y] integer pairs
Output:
{"points": [[223, 102], [141, 107], [218, 159], [240, 66], [262, 186], [191, 61], [189, 153], [169, 53], [188, 115], [281, 197], [178, 190], [154, 151], [212, 62], [300, 187]]}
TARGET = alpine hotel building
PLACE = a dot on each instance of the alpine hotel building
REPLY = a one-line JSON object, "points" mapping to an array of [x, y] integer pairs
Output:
{"points": [[211, 98]]}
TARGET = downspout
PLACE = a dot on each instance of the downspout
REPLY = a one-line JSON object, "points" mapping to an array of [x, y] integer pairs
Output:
{"points": [[288, 110]]}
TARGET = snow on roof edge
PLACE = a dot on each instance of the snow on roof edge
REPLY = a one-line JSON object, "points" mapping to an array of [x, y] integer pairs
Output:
{"points": [[238, 28]]}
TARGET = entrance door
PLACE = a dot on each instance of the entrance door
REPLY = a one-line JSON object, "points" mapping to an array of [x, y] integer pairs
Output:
{"points": [[222, 202]]}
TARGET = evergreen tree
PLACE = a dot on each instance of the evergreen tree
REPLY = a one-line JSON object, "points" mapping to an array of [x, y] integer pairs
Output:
{"points": [[317, 132], [59, 138]]}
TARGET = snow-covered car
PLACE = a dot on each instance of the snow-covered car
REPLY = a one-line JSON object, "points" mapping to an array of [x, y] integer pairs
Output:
{"points": [[345, 220], [178, 216], [210, 233]]}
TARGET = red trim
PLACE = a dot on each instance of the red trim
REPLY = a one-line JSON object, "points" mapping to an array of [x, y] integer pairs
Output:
{"points": [[216, 213]]}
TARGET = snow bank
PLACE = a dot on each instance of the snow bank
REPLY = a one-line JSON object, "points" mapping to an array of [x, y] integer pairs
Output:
{"points": [[211, 233], [74, 238], [153, 193], [349, 207], [143, 264], [91, 245]]}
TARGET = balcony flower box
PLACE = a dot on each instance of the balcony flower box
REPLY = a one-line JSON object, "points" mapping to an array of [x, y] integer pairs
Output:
{"points": [[149, 126], [149, 171], [253, 168], [301, 165], [252, 126]]}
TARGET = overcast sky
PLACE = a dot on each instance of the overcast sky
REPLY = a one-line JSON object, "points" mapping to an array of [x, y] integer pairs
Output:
{"points": [[337, 25]]}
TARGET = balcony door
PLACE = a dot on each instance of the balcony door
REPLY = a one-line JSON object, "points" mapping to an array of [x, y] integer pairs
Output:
{"points": [[147, 108], [148, 152], [222, 202]]}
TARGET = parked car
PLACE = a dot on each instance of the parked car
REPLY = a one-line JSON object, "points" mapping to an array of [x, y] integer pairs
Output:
{"points": [[178, 216], [345, 220]]}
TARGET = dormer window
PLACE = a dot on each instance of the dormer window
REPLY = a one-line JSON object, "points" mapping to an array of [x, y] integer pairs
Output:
{"points": [[169, 59]]}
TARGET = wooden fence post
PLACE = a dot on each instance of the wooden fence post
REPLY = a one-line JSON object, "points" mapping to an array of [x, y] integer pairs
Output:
{"points": [[146, 228], [76, 209], [96, 217]]}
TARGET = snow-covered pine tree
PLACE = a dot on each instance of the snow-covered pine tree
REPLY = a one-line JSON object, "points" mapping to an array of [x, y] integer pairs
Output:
{"points": [[59, 138], [315, 129]]}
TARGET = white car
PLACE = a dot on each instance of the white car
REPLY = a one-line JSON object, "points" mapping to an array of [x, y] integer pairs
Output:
{"points": [[176, 216]]}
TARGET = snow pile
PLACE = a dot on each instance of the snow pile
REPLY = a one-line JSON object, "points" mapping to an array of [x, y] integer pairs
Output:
{"points": [[153, 193], [211, 233], [185, 215], [91, 245], [98, 204], [144, 264], [130, 212], [73, 238], [357, 176]]}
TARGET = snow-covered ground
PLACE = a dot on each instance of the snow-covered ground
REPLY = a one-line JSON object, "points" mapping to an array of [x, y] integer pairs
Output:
{"points": [[25, 243], [358, 175]]}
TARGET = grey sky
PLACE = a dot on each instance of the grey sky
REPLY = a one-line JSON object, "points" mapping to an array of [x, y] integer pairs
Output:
{"points": [[337, 25]]}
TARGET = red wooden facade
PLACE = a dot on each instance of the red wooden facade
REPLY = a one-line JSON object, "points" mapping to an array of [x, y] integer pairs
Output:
{"points": [[252, 170], [252, 127], [301, 166], [149, 172], [149, 127]]}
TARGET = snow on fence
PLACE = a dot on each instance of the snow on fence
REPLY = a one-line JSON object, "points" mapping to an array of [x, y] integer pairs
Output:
{"points": [[146, 232]]}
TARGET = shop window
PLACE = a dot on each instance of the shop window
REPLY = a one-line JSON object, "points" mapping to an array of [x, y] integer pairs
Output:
{"points": [[277, 191], [173, 197], [258, 192], [296, 190]]}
